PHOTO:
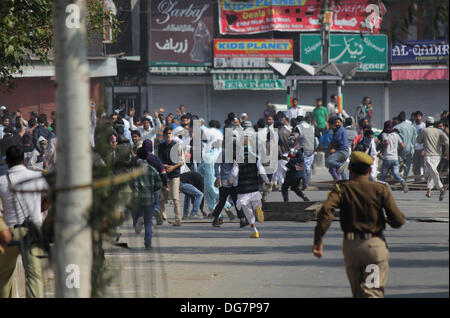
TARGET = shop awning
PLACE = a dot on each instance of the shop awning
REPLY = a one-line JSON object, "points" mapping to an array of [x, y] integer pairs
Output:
{"points": [[420, 73], [98, 67], [246, 79], [178, 70], [301, 71]]}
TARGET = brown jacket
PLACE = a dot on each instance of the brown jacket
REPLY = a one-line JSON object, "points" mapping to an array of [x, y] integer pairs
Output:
{"points": [[361, 203]]}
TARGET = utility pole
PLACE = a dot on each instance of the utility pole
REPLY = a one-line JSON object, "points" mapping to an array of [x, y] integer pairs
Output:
{"points": [[73, 236], [326, 16]]}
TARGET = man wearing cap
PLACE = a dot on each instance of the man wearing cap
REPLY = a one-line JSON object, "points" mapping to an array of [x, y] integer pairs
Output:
{"points": [[361, 203], [433, 139]]}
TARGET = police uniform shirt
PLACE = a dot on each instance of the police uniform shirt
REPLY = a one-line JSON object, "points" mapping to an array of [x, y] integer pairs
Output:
{"points": [[361, 203]]}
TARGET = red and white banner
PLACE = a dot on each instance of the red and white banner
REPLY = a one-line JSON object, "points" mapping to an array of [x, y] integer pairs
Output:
{"points": [[259, 16]]}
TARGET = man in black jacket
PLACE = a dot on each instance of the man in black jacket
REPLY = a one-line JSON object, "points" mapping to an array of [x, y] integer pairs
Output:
{"points": [[245, 177], [173, 172]]}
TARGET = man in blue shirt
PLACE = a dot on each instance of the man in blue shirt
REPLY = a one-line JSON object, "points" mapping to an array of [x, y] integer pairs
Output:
{"points": [[339, 152]]}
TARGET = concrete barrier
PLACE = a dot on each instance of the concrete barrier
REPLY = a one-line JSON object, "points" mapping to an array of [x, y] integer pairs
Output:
{"points": [[290, 211], [319, 159]]}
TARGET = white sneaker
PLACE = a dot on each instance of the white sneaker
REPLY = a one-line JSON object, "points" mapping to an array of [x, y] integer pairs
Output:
{"points": [[196, 216], [139, 225], [343, 167]]}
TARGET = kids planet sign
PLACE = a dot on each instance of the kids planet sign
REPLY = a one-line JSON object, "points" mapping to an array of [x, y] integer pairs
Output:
{"points": [[252, 53], [259, 16]]}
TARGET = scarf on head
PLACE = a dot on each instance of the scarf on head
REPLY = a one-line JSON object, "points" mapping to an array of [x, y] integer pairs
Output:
{"points": [[388, 127], [148, 146]]}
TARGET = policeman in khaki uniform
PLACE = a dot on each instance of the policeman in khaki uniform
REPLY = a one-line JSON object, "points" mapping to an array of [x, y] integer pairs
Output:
{"points": [[361, 203]]}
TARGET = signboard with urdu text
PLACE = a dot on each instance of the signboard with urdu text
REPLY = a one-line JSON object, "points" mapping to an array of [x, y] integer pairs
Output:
{"points": [[370, 50], [181, 33], [259, 16]]}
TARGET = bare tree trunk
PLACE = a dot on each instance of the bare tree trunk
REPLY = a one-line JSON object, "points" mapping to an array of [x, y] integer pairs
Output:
{"points": [[73, 238]]}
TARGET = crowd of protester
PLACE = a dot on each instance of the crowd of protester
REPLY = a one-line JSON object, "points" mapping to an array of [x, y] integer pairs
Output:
{"points": [[212, 185]]}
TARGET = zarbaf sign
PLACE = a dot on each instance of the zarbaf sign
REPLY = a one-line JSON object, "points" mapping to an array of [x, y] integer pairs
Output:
{"points": [[259, 16], [181, 33]]}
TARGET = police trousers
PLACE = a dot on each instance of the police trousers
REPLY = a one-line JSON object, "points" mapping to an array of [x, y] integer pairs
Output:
{"points": [[34, 287], [366, 264]]}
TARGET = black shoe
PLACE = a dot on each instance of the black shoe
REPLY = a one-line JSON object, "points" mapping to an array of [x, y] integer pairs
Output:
{"points": [[243, 222], [220, 221], [216, 222], [305, 198], [148, 247], [442, 193]]}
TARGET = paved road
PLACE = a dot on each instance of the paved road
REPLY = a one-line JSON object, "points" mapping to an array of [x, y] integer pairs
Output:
{"points": [[197, 260]]}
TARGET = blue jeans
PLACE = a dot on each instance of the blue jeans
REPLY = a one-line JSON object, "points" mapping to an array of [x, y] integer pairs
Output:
{"points": [[407, 159], [4, 167], [335, 161], [147, 212], [157, 198], [190, 191], [393, 166], [308, 162]]}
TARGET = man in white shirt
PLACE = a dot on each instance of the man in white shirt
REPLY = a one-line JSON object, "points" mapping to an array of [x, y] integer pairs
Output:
{"points": [[391, 147], [3, 125], [418, 157], [18, 208], [433, 139], [332, 107], [147, 132], [294, 111], [308, 143]]}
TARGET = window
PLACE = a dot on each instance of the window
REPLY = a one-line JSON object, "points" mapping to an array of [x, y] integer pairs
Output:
{"points": [[421, 28]]}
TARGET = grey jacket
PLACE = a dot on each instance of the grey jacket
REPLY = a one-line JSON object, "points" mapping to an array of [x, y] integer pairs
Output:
{"points": [[223, 170]]}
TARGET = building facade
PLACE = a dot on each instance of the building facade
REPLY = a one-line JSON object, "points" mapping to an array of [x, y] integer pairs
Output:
{"points": [[167, 68]]}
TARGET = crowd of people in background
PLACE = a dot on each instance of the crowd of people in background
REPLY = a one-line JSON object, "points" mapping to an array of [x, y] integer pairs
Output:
{"points": [[150, 140], [36, 136]]}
